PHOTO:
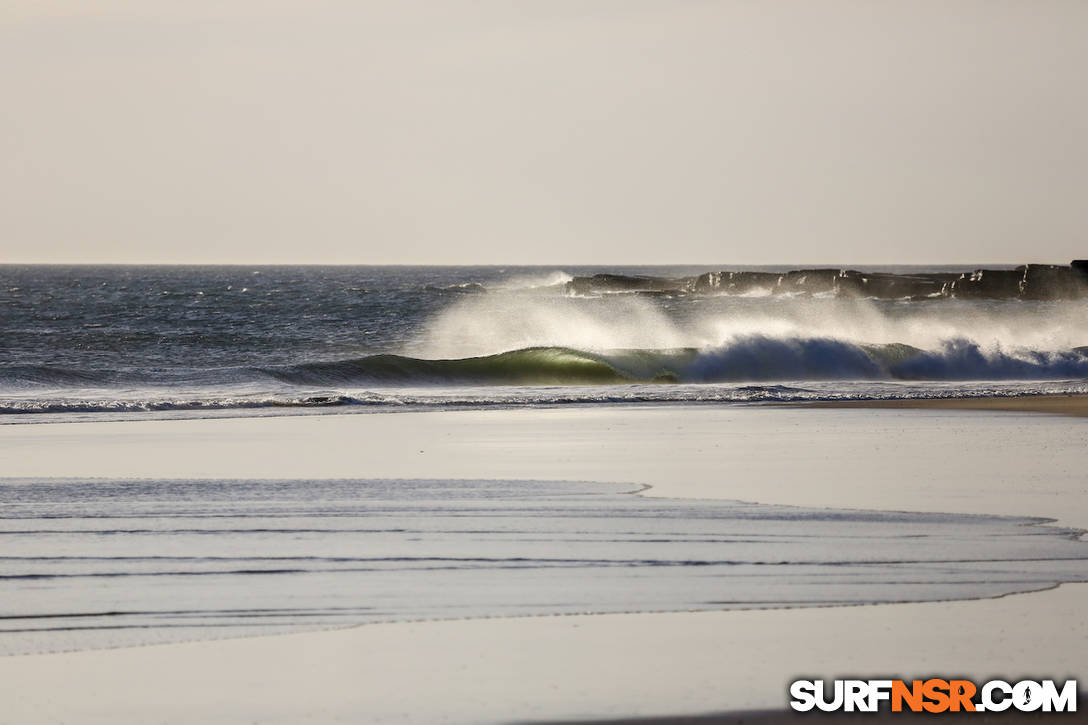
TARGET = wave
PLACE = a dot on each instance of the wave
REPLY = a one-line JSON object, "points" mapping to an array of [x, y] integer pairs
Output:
{"points": [[533, 366], [754, 358], [751, 358], [966, 360]]}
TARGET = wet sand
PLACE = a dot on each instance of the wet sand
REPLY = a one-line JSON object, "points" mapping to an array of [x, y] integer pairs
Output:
{"points": [[580, 668], [1076, 405], [548, 668]]}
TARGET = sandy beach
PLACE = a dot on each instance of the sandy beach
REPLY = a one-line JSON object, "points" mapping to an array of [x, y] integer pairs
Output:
{"points": [[1054, 404], [582, 667]]}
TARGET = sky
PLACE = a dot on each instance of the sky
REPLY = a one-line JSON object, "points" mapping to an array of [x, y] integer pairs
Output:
{"points": [[543, 131]]}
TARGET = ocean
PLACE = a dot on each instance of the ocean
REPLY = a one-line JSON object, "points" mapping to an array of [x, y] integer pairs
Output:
{"points": [[201, 341]]}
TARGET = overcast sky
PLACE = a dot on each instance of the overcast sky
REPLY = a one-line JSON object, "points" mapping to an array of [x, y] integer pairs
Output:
{"points": [[550, 131]]}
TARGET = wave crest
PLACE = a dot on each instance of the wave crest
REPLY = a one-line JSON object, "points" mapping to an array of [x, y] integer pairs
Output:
{"points": [[752, 358], [749, 358]]}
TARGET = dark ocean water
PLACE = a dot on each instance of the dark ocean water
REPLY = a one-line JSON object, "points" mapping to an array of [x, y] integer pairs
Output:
{"points": [[78, 341]]}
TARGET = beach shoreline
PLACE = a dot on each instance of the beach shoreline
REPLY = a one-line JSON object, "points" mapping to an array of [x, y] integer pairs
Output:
{"points": [[1056, 404]]}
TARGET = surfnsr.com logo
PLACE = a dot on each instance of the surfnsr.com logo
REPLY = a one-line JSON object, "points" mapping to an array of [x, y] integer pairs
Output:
{"points": [[934, 695]]}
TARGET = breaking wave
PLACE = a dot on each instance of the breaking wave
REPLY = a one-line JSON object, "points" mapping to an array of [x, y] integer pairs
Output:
{"points": [[751, 358], [754, 358]]}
